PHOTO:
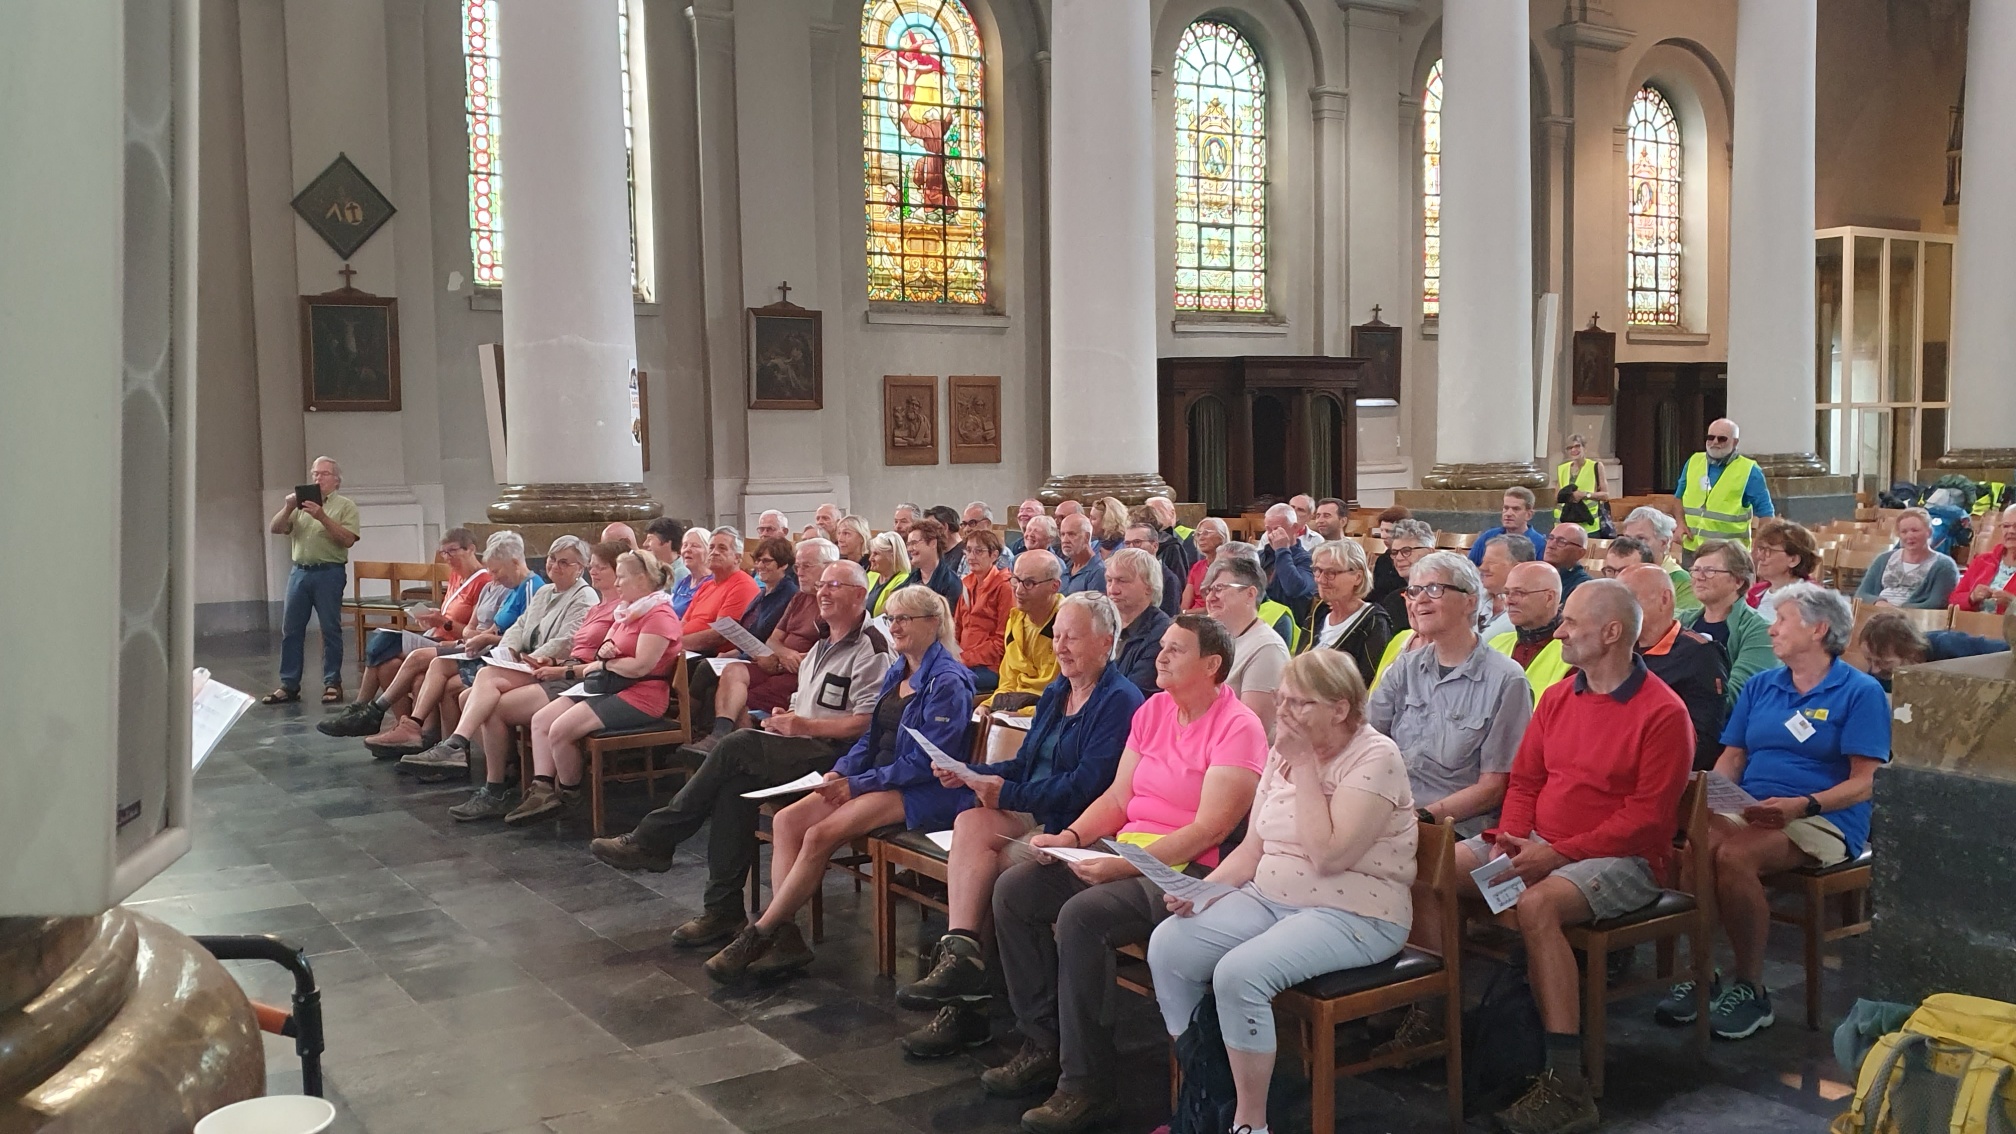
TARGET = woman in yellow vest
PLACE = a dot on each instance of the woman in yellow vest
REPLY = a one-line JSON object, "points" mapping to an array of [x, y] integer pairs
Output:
{"points": [[1580, 480]]}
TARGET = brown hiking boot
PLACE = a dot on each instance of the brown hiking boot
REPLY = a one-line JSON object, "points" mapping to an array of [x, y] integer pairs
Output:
{"points": [[542, 800], [710, 928], [955, 1028], [787, 953], [1033, 1069], [444, 761], [1068, 1112], [1422, 1026], [1551, 1106], [624, 852], [732, 962], [402, 739]]}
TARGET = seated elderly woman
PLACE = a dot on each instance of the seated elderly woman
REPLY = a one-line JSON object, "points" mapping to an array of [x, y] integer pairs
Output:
{"points": [[1804, 740], [1065, 762], [885, 778], [1890, 642], [1910, 575], [692, 556], [766, 683], [543, 636], [888, 570], [1322, 879], [1783, 553], [1343, 618], [631, 672], [851, 535], [1232, 589], [1406, 542], [1990, 581], [1211, 534], [1185, 779], [426, 675], [982, 615], [1722, 574], [384, 649]]}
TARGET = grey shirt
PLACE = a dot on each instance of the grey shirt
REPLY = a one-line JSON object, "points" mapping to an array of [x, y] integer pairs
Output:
{"points": [[842, 678], [1452, 729]]}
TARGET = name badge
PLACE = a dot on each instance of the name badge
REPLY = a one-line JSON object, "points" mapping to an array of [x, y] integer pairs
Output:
{"points": [[833, 692], [1706, 485], [1799, 727]]}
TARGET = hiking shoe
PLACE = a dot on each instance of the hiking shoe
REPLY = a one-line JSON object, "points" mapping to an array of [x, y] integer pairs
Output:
{"points": [[542, 800], [485, 804], [624, 852], [1068, 1112], [443, 761], [710, 928], [1421, 1027], [1551, 1106], [959, 977], [1740, 1012], [402, 739], [1677, 1010], [1033, 1069], [732, 962], [955, 1028], [700, 748], [359, 718], [787, 953]]}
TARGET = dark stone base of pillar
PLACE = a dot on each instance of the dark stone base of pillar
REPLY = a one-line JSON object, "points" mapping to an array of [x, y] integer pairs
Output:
{"points": [[1486, 476], [1975, 464], [573, 504], [1779, 465], [1129, 488], [1812, 500], [1944, 845]]}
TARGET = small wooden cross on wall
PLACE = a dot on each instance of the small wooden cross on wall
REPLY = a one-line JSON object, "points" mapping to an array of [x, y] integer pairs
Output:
{"points": [[346, 271], [784, 292]]}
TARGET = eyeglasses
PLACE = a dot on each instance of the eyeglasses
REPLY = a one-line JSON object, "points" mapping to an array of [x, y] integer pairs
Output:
{"points": [[1295, 704], [900, 619], [1221, 588], [1517, 595], [1022, 581], [1397, 552], [1703, 569], [1433, 590], [973, 523], [762, 559], [831, 586], [1334, 572], [1561, 541]]}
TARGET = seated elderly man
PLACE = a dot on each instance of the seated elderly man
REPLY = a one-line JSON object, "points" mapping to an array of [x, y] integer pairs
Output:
{"points": [[1656, 529], [1066, 761], [1566, 545], [1624, 553], [1494, 565], [1134, 581], [904, 516], [1083, 568], [827, 518], [1028, 661], [979, 514], [1533, 606], [1588, 824], [773, 525], [1890, 642], [767, 683], [1038, 534], [839, 682], [1305, 507], [1142, 535], [1515, 519], [1028, 510], [1407, 540], [1691, 665], [1286, 563], [725, 593]]}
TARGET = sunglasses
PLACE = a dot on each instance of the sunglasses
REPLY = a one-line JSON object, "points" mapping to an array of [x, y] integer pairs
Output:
{"points": [[1433, 590]]}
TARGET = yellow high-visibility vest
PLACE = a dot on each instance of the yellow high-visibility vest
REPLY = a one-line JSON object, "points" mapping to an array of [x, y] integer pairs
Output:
{"points": [[1587, 483], [1395, 646], [1716, 511], [1544, 670]]}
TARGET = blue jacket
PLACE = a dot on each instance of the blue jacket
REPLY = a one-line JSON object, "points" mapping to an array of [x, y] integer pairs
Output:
{"points": [[941, 708], [1288, 579], [1088, 751], [1139, 644]]}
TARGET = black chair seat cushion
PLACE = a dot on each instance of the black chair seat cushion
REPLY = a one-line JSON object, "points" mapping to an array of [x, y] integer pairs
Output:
{"points": [[918, 842], [1410, 964], [1865, 858], [617, 733], [1669, 902]]}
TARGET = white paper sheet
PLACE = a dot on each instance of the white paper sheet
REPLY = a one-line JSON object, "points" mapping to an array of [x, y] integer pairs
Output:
{"points": [[739, 638], [580, 690], [943, 839], [1013, 721], [1073, 854], [1499, 897], [502, 659], [1172, 881], [215, 708], [940, 760], [459, 655], [1727, 797], [806, 782], [720, 665]]}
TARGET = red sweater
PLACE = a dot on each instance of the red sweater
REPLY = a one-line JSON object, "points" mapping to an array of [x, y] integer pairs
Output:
{"points": [[1980, 572], [1599, 775]]}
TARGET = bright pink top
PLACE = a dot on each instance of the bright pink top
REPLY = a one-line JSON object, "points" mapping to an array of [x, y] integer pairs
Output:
{"points": [[594, 628], [655, 695], [1169, 780], [1197, 584]]}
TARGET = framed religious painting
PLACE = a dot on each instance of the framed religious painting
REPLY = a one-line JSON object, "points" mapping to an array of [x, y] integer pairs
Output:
{"points": [[1378, 343], [976, 418], [1595, 374], [786, 357], [909, 419], [349, 352]]}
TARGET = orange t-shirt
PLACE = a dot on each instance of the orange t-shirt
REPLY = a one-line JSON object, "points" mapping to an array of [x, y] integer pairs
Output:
{"points": [[716, 599], [460, 605]]}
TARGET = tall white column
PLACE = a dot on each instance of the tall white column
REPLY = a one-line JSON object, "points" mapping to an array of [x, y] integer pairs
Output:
{"points": [[569, 335], [1771, 322], [1983, 423], [1484, 383], [1102, 254]]}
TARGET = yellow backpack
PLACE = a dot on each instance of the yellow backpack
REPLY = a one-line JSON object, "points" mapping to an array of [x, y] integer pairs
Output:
{"points": [[1951, 1068]]}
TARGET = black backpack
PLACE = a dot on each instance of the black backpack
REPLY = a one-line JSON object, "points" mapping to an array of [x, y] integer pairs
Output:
{"points": [[1504, 1046], [1207, 1099]]}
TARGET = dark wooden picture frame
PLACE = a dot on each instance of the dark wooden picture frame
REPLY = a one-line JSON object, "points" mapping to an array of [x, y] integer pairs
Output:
{"points": [[349, 352], [909, 419], [974, 424], [640, 413], [1595, 377], [1378, 343], [785, 357]]}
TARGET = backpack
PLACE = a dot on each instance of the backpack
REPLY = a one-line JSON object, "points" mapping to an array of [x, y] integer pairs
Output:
{"points": [[1207, 1098], [1504, 1045], [1952, 1067]]}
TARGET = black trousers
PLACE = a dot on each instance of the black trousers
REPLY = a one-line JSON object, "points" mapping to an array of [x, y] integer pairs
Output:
{"points": [[744, 760]]}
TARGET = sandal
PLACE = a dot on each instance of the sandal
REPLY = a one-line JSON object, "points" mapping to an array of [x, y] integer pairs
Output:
{"points": [[281, 696], [332, 694]]}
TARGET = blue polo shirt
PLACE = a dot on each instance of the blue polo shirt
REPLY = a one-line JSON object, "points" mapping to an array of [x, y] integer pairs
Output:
{"points": [[1533, 536], [1091, 577], [1756, 494], [1850, 716]]}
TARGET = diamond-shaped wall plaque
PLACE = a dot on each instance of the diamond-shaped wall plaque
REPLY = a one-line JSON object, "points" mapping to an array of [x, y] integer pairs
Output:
{"points": [[343, 207]]}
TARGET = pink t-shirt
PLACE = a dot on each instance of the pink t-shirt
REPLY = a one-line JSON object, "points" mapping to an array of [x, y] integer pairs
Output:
{"points": [[654, 695], [594, 627], [1377, 885], [1169, 780]]}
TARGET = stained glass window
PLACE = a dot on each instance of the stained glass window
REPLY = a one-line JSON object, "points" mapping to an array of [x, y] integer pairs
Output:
{"points": [[1431, 194], [924, 152], [1221, 172], [1653, 276]]}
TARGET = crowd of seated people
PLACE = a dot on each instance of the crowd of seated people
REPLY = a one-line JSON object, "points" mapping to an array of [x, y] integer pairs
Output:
{"points": [[1180, 686]]}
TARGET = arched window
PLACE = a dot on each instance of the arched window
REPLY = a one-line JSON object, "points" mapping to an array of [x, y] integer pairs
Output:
{"points": [[1653, 183], [486, 166], [1431, 194], [1221, 172], [924, 152]]}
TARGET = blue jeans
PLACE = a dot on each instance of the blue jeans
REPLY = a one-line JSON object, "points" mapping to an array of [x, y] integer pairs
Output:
{"points": [[317, 589]]}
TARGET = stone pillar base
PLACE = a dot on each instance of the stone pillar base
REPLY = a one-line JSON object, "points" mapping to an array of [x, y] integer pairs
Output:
{"points": [[1778, 465], [1130, 488], [1977, 463], [573, 504], [1500, 476]]}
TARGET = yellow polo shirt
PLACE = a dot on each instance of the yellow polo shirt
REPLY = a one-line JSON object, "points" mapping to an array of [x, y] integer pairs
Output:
{"points": [[309, 541]]}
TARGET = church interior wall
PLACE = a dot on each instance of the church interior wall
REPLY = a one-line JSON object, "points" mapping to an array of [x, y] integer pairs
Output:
{"points": [[1888, 73]]}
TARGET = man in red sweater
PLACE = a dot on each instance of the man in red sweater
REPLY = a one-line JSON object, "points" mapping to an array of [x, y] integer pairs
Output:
{"points": [[1587, 822]]}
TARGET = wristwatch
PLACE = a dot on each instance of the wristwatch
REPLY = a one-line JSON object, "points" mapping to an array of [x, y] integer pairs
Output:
{"points": [[1812, 806]]}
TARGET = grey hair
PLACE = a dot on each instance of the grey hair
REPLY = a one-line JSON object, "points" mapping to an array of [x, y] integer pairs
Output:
{"points": [[1142, 564], [1411, 529], [1041, 524], [855, 574], [1105, 616], [1618, 603], [916, 510], [773, 512], [1454, 569], [1518, 549], [2009, 513], [1244, 571], [332, 464], [1240, 549], [1820, 605], [1662, 524], [1045, 561], [1573, 440], [696, 529], [1347, 553], [1920, 514], [1287, 510], [508, 545], [1217, 525], [729, 530], [829, 552], [575, 544], [986, 509]]}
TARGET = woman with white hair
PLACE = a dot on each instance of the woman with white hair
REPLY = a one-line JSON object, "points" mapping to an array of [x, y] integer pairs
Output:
{"points": [[852, 535], [693, 554], [1990, 581], [1211, 534], [1343, 619], [1804, 740], [1910, 575]]}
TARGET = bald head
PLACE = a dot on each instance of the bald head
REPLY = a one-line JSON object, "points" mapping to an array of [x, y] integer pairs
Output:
{"points": [[1653, 590], [1599, 624], [1566, 545], [1070, 508], [1532, 594], [619, 532]]}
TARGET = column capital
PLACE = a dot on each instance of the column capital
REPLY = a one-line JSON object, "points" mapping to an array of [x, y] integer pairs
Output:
{"points": [[1328, 103]]}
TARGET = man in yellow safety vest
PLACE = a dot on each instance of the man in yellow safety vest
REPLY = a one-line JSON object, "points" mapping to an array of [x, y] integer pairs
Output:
{"points": [[1533, 602], [1719, 491]]}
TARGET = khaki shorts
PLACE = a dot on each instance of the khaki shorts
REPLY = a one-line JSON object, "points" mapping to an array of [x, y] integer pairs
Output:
{"points": [[1816, 835], [1613, 887]]}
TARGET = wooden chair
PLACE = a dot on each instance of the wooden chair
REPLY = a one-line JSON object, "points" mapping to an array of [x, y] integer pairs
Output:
{"points": [[1926, 620], [1455, 541], [1850, 564], [386, 608], [1319, 1006], [433, 586], [604, 754], [1978, 622], [1814, 885]]}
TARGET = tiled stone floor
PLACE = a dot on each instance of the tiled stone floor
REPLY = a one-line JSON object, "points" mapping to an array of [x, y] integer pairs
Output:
{"points": [[481, 979]]}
